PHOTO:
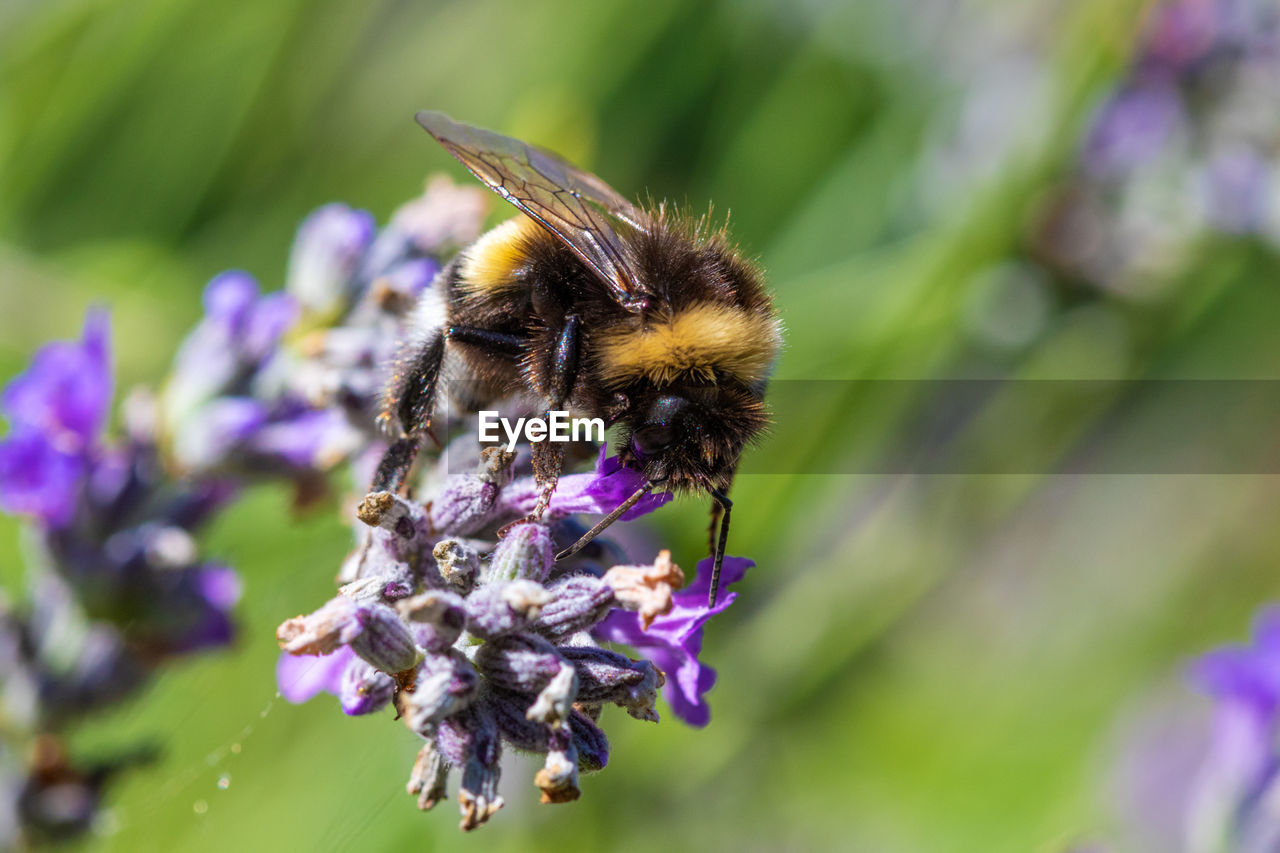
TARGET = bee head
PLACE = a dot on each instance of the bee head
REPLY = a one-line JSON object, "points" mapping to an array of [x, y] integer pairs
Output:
{"points": [[689, 436]]}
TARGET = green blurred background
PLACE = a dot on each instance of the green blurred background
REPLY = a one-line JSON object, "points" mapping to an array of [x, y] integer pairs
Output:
{"points": [[918, 663]]}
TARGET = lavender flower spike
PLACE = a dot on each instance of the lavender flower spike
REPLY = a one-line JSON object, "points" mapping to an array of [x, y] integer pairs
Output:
{"points": [[117, 587], [502, 630]]}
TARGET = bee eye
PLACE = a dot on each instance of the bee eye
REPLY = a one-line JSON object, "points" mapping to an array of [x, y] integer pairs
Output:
{"points": [[653, 438], [658, 432]]}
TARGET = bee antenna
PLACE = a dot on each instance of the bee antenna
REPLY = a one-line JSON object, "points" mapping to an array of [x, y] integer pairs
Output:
{"points": [[727, 505], [606, 521]]}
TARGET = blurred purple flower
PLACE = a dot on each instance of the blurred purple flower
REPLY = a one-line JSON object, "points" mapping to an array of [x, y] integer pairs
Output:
{"points": [[223, 354], [66, 391], [326, 254], [1180, 32], [253, 324], [56, 410], [674, 641], [1250, 674], [1238, 190], [1131, 127], [1229, 797], [312, 439], [38, 479]]}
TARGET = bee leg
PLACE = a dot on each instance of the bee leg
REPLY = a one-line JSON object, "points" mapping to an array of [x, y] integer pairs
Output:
{"points": [[722, 500], [494, 342], [411, 398], [548, 456], [564, 362], [716, 512], [395, 465]]}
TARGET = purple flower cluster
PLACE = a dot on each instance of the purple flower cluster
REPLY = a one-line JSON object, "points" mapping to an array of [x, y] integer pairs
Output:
{"points": [[1183, 145], [275, 385], [116, 585], [479, 639]]}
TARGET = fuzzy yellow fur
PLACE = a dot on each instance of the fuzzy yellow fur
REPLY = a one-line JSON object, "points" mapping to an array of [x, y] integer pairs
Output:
{"points": [[490, 262], [698, 341]]}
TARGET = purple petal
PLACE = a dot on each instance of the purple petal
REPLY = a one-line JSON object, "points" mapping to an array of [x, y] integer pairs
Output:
{"points": [[325, 255], [67, 389], [220, 586], [301, 677], [38, 479], [1246, 674], [218, 430], [674, 641], [413, 276], [269, 320], [1131, 127], [1266, 631], [315, 439], [229, 298], [601, 491]]}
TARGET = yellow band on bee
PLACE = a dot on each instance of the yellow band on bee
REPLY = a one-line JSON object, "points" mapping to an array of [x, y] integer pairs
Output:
{"points": [[490, 263], [698, 341]]}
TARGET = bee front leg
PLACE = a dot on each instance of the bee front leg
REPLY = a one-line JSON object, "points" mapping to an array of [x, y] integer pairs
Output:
{"points": [[548, 455], [410, 399]]}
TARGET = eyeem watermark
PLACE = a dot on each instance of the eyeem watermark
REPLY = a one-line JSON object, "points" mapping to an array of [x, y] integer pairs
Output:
{"points": [[557, 426]]}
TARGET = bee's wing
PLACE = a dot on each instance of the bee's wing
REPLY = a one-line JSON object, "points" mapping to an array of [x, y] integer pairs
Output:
{"points": [[574, 205]]}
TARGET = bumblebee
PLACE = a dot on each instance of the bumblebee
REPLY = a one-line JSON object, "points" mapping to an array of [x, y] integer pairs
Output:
{"points": [[641, 317]]}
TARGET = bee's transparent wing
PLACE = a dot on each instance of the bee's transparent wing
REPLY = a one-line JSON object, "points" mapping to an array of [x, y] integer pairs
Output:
{"points": [[574, 205]]}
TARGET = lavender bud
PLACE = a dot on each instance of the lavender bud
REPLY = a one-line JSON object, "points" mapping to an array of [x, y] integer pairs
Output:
{"points": [[503, 607], [376, 559], [525, 552], [379, 587], [365, 689], [465, 506], [400, 527], [497, 466], [558, 777], [444, 686], [458, 565], [528, 664], [333, 625], [577, 603], [556, 699], [604, 675], [383, 509], [646, 589], [508, 709], [384, 642], [436, 618], [429, 777], [590, 742], [478, 798]]}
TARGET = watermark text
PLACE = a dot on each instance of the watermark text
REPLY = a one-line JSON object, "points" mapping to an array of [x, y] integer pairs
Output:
{"points": [[557, 426]]}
